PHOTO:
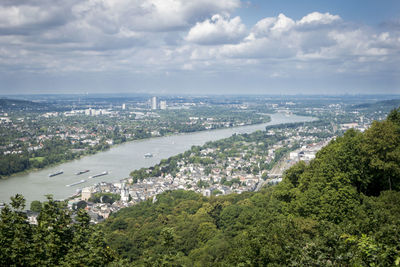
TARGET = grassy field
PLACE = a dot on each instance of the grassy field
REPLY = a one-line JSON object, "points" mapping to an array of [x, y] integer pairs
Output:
{"points": [[39, 159]]}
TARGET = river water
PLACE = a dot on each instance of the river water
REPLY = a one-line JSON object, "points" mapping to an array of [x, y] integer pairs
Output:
{"points": [[119, 161]]}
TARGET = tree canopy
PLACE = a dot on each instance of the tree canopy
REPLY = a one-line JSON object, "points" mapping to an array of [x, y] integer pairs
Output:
{"points": [[341, 209], [56, 240]]}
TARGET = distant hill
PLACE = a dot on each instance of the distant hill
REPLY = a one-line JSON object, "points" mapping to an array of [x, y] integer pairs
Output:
{"points": [[388, 104], [11, 104], [342, 209]]}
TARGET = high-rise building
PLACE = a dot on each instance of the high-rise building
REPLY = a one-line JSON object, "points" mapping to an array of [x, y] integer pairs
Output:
{"points": [[123, 106], [154, 102], [163, 104]]}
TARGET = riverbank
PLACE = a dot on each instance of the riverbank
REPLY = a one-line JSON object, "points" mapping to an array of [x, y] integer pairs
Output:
{"points": [[119, 161], [85, 154]]}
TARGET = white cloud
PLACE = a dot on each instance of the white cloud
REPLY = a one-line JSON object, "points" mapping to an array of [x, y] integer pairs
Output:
{"points": [[318, 18], [28, 19], [264, 26], [150, 15], [196, 36], [273, 26], [282, 37], [217, 30], [356, 43], [282, 24], [16, 16]]}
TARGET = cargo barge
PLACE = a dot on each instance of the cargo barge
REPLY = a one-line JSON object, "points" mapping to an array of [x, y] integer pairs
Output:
{"points": [[76, 183], [82, 172], [98, 175], [56, 173]]}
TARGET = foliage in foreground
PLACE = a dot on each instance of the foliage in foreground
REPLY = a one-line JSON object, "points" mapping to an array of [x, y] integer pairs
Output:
{"points": [[54, 241], [342, 209]]}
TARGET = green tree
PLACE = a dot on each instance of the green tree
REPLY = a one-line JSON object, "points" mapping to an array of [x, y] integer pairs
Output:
{"points": [[382, 156], [88, 247], [36, 206], [294, 172], [338, 210], [394, 116], [55, 241], [16, 235], [81, 205]]}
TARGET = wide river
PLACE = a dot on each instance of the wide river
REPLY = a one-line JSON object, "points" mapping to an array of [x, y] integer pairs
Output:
{"points": [[119, 161]]}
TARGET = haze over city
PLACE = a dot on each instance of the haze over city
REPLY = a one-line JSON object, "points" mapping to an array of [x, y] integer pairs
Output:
{"points": [[192, 47]]}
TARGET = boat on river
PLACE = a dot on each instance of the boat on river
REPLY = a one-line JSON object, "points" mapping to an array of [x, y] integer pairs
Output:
{"points": [[82, 172], [76, 183], [98, 175], [148, 155], [125, 158], [56, 173]]}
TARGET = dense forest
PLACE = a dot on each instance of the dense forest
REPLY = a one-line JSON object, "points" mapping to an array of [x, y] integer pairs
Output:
{"points": [[58, 238], [342, 209]]}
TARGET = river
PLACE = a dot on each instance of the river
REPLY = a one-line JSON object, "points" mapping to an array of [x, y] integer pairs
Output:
{"points": [[119, 161]]}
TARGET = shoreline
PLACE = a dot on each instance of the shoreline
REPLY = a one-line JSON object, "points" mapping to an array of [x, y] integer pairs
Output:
{"points": [[27, 171], [121, 160]]}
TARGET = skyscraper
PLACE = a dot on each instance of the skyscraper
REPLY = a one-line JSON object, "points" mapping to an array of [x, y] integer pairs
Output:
{"points": [[154, 102], [163, 104]]}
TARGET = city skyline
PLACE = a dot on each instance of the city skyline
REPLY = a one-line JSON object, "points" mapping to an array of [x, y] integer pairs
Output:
{"points": [[199, 47]]}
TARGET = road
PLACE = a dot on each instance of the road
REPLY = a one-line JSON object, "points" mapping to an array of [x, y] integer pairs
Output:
{"points": [[276, 172]]}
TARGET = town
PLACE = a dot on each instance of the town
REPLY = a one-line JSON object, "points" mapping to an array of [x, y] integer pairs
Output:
{"points": [[41, 136], [240, 163], [234, 165]]}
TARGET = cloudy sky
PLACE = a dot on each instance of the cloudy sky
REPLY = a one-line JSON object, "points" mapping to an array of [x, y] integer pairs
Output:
{"points": [[200, 46]]}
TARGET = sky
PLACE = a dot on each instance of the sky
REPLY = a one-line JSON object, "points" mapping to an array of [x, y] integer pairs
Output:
{"points": [[200, 46]]}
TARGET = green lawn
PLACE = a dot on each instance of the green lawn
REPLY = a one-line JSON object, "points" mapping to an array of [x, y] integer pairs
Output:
{"points": [[40, 159]]}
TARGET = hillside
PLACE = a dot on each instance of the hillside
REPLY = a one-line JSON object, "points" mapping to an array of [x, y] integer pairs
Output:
{"points": [[379, 105], [16, 104], [341, 209]]}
